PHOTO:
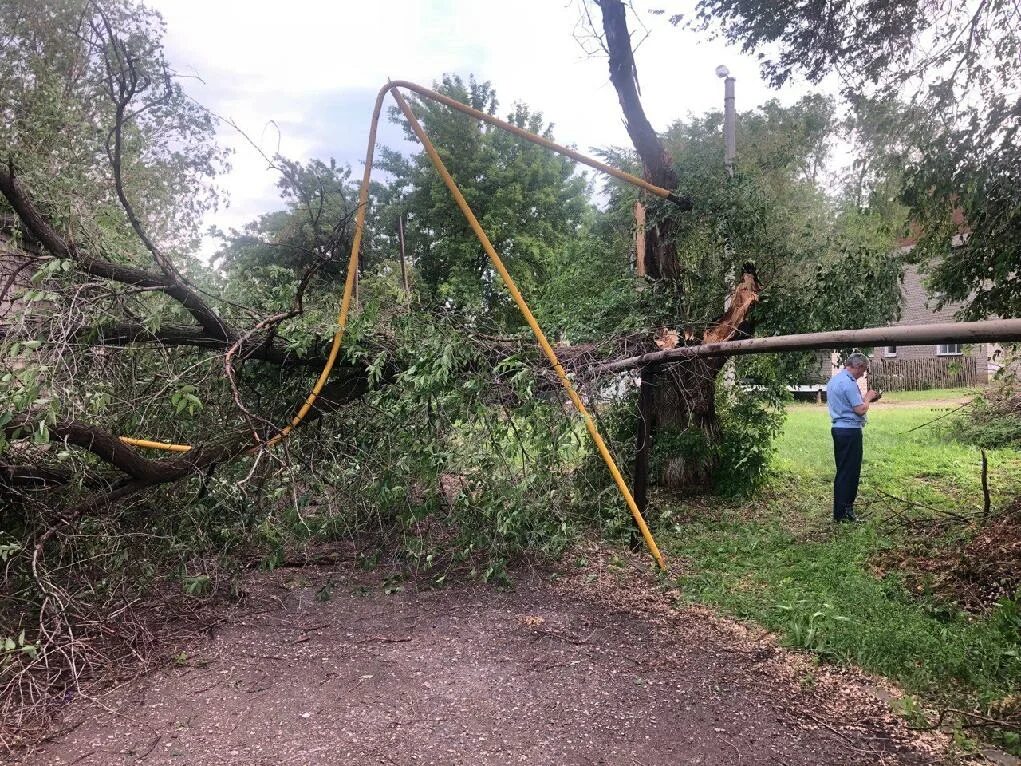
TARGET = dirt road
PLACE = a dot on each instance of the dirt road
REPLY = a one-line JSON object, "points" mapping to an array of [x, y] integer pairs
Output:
{"points": [[590, 666]]}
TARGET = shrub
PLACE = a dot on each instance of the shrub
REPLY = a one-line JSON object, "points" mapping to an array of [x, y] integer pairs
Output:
{"points": [[750, 421], [993, 420]]}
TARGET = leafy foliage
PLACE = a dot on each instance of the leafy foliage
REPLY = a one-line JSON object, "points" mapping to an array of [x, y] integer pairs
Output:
{"points": [[993, 420], [314, 230], [956, 67], [775, 214], [56, 114], [529, 201], [56, 132]]}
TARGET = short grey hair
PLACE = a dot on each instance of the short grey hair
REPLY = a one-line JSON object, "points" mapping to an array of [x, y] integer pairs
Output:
{"points": [[857, 359]]}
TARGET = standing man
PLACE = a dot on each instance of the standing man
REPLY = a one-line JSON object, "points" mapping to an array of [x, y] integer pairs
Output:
{"points": [[847, 412]]}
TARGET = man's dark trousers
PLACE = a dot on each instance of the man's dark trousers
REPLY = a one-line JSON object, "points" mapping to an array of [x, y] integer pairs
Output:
{"points": [[847, 454]]}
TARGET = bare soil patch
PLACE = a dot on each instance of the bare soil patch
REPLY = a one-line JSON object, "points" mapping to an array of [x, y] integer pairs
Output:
{"points": [[591, 665]]}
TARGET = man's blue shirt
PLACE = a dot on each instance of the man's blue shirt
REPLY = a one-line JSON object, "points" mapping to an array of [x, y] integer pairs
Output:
{"points": [[842, 396]]}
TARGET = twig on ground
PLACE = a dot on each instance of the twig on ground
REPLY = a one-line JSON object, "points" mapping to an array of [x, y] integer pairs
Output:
{"points": [[980, 721], [916, 504], [944, 415]]}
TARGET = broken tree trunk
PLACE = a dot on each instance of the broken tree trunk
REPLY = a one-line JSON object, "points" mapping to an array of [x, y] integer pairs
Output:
{"points": [[640, 239], [683, 402], [686, 416]]}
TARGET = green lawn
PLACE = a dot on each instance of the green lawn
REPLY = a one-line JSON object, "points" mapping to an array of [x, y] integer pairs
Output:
{"points": [[777, 559]]}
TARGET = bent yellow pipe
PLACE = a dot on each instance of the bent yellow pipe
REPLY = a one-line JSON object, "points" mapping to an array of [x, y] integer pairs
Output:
{"points": [[540, 336], [575, 155], [352, 272]]}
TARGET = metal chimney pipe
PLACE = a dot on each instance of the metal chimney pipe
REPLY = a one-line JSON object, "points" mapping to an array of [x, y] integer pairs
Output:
{"points": [[729, 126]]}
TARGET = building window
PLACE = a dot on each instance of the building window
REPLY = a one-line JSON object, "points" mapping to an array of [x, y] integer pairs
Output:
{"points": [[891, 351], [949, 349]]}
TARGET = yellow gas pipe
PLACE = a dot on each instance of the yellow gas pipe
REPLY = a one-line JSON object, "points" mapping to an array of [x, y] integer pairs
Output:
{"points": [[352, 271]]}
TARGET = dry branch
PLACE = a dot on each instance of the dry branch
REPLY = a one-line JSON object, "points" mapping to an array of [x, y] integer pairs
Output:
{"points": [[262, 345], [111, 450], [14, 475]]}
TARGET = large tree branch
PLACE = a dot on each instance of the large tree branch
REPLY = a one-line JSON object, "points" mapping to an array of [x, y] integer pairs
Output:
{"points": [[37, 226], [265, 346], [624, 76], [116, 453], [660, 252]]}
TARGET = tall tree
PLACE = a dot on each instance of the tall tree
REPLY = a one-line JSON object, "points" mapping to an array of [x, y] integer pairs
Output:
{"points": [[313, 229], [685, 401], [772, 223], [955, 65], [529, 200]]}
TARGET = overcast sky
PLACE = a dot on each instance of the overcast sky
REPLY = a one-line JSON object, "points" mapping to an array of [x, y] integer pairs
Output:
{"points": [[300, 76]]}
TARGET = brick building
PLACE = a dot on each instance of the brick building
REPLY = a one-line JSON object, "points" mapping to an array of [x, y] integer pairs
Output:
{"points": [[926, 366], [917, 309]]}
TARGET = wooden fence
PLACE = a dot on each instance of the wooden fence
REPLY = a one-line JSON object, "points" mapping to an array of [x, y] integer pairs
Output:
{"points": [[919, 374]]}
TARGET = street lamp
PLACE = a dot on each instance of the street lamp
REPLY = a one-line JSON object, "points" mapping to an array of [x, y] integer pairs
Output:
{"points": [[729, 119]]}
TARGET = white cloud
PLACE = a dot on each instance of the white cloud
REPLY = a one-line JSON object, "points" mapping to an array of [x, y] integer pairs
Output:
{"points": [[300, 76]]}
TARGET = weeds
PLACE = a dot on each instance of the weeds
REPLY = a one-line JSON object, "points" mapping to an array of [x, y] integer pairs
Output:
{"points": [[994, 419], [779, 561]]}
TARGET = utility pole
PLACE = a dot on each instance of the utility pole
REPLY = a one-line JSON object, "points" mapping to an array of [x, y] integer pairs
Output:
{"points": [[729, 119]]}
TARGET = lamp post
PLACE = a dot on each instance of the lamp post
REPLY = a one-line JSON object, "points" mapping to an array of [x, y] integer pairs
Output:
{"points": [[729, 119], [729, 152]]}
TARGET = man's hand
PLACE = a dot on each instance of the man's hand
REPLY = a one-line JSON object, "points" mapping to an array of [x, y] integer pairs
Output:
{"points": [[870, 396]]}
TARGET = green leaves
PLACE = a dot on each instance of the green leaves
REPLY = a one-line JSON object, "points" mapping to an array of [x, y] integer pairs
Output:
{"points": [[196, 585], [185, 399], [529, 201], [9, 549], [808, 629], [50, 269], [10, 646], [932, 88], [313, 231]]}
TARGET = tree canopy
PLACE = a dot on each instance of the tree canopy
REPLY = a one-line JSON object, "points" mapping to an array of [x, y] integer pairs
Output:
{"points": [[947, 73], [530, 201]]}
